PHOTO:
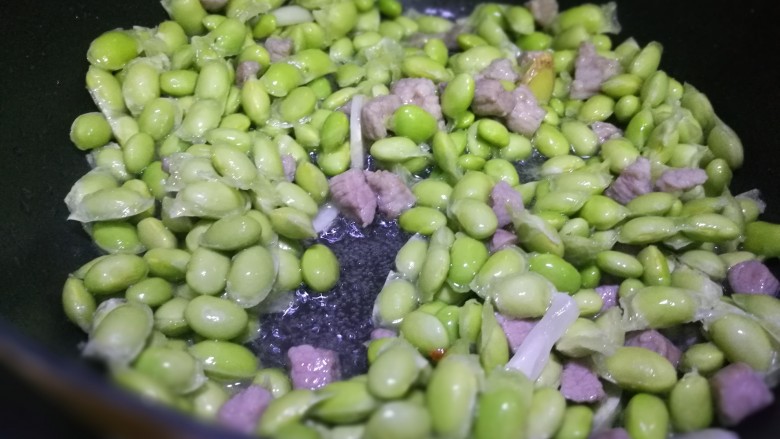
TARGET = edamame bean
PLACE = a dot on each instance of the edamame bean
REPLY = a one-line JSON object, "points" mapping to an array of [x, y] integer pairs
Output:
{"points": [[223, 360], [641, 370], [451, 396], [742, 339], [251, 276], [320, 268], [690, 403], [399, 419], [646, 417], [120, 334]]}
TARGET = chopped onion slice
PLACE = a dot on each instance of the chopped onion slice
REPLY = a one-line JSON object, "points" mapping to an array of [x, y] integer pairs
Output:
{"points": [[356, 150], [325, 217], [290, 15], [532, 355]]}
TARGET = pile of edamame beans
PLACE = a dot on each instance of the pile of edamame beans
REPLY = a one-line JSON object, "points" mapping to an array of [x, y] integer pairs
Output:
{"points": [[189, 199]]}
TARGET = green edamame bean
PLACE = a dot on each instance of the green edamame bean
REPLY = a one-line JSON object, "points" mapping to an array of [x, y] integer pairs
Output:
{"points": [[274, 380], [663, 306], [502, 410], [451, 396], [114, 273], [650, 229], [555, 269], [144, 386], [78, 303], [422, 220], [112, 50], [119, 335], [207, 400], [466, 258], [577, 422], [215, 318], [690, 403], [709, 227], [619, 264], [704, 358], [425, 332], [288, 409], [641, 370], [223, 360], [522, 295], [432, 193], [646, 62], [656, 267], [292, 223], [396, 299], [399, 419], [646, 417], [90, 130], [251, 276], [174, 368], [413, 122], [167, 263], [475, 217], [458, 95], [742, 339], [546, 413], [550, 142], [394, 372], [347, 402], [151, 291], [320, 268], [492, 347], [116, 237], [395, 149], [411, 257]]}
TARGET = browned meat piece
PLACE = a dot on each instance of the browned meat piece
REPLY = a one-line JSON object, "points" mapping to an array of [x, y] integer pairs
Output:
{"points": [[353, 196], [632, 182], [502, 238], [500, 69], [612, 433], [375, 113], [278, 48], [382, 333], [491, 99], [392, 195], [246, 70], [290, 166], [505, 201], [516, 330], [753, 277], [420, 92], [655, 341], [213, 5], [739, 392], [243, 410], [312, 368], [590, 70], [605, 131], [580, 384], [544, 11], [680, 179], [527, 115], [608, 295]]}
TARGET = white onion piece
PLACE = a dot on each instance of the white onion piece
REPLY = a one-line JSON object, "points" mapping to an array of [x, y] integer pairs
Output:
{"points": [[710, 433], [325, 217], [608, 409], [290, 15], [532, 355], [356, 151]]}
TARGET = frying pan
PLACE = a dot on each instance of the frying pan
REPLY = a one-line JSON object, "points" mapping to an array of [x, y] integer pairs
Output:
{"points": [[725, 49]]}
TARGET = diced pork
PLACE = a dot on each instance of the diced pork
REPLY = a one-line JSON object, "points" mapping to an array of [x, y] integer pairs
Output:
{"points": [[312, 368], [502, 238], [243, 411], [505, 201], [605, 131], [278, 48], [544, 11], [383, 333], [609, 294], [393, 197], [491, 99], [580, 384], [739, 392], [213, 5], [420, 92], [375, 113], [527, 115], [681, 179], [500, 69], [246, 70], [290, 166], [354, 197], [590, 70], [516, 330], [612, 433], [753, 277], [655, 341], [635, 180]]}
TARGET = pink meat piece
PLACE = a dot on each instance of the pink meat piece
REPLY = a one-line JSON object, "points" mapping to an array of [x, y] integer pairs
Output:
{"points": [[243, 410], [392, 195], [605, 131], [516, 330], [505, 201], [500, 69], [527, 115], [612, 433], [491, 99], [354, 197], [544, 11], [502, 238], [609, 294], [375, 113], [278, 48], [739, 392], [246, 70], [312, 368], [632, 182], [753, 277], [290, 166], [382, 333], [580, 384], [420, 92], [681, 179], [655, 341], [590, 70]]}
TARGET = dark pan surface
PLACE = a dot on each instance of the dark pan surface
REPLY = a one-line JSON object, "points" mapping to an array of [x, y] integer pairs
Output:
{"points": [[726, 49]]}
